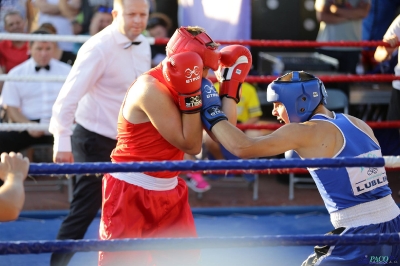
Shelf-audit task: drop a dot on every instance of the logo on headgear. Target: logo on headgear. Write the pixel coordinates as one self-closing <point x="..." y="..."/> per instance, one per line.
<point x="192" y="75"/>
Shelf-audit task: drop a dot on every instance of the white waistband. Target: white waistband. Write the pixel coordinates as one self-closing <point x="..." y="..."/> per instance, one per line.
<point x="374" y="212"/>
<point x="147" y="182"/>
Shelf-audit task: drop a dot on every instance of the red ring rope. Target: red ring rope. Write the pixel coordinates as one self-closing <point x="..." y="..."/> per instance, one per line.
<point x="290" y="43"/>
<point x="274" y="126"/>
<point x="329" y="78"/>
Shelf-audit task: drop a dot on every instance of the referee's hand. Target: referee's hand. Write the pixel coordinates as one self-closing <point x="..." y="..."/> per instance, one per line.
<point x="63" y="157"/>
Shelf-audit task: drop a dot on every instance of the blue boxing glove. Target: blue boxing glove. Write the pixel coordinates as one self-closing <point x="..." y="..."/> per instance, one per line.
<point x="211" y="112"/>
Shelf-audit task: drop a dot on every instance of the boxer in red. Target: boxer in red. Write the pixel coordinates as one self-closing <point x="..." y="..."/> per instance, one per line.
<point x="159" y="120"/>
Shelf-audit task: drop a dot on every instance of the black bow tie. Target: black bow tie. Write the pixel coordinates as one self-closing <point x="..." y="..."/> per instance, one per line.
<point x="130" y="44"/>
<point x="37" y="68"/>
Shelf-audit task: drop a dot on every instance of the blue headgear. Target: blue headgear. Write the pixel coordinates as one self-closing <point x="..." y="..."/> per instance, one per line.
<point x="300" y="97"/>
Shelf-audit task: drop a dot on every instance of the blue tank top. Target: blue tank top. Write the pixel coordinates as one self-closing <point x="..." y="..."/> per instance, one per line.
<point x="345" y="187"/>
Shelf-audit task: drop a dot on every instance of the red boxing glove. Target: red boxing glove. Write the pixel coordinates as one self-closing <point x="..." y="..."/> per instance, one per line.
<point x="183" y="72"/>
<point x="235" y="64"/>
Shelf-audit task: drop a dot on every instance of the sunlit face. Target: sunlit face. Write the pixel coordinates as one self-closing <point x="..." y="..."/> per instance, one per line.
<point x="158" y="32"/>
<point x="14" y="24"/>
<point x="280" y="112"/>
<point x="41" y="52"/>
<point x="132" y="17"/>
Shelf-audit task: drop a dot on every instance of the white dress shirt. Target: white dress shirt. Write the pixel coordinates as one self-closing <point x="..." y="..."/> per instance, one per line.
<point x="35" y="99"/>
<point x="97" y="84"/>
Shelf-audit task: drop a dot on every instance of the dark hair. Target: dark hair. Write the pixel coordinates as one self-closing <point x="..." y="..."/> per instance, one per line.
<point x="39" y="31"/>
<point x="304" y="76"/>
<point x="48" y="27"/>
<point x="159" y="19"/>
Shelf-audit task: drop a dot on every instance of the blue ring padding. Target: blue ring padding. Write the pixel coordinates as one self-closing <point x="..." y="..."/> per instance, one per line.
<point x="211" y="211"/>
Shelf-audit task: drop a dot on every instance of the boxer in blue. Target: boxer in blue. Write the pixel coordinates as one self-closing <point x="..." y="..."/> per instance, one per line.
<point x="358" y="198"/>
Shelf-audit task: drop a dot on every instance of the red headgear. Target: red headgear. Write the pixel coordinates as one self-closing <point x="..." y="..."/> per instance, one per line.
<point x="182" y="41"/>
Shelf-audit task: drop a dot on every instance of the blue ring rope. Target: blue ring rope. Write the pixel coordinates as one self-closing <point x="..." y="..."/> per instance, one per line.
<point x="256" y="164"/>
<point x="28" y="247"/>
<point x="61" y="246"/>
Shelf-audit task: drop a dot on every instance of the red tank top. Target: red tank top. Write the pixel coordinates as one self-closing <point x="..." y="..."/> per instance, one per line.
<point x="142" y="142"/>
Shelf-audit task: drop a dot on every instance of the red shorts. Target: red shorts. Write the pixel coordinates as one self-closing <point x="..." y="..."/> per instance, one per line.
<point x="130" y="211"/>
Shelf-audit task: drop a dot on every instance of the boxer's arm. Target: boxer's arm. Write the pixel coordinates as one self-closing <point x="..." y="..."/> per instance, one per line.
<point x="182" y="130"/>
<point x="289" y="137"/>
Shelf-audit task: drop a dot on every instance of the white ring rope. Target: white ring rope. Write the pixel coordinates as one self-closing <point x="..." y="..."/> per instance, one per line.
<point x="50" y="78"/>
<point x="51" y="37"/>
<point x="392" y="161"/>
<point x="23" y="126"/>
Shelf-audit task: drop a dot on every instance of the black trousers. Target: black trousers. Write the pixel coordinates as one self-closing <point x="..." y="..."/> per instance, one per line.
<point x="17" y="141"/>
<point x="87" y="146"/>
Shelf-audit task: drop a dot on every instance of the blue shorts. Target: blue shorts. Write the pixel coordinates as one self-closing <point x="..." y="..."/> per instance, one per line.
<point x="354" y="255"/>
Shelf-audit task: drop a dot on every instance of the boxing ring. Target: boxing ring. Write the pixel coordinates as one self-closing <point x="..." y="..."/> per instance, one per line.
<point x="227" y="236"/>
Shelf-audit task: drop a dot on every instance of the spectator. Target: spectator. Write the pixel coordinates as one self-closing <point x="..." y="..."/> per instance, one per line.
<point x="101" y="19"/>
<point x="13" y="171"/>
<point x="158" y="26"/>
<point x="341" y="21"/>
<point x="63" y="56"/>
<point x="30" y="101"/>
<point x="13" y="53"/>
<point x="374" y="26"/>
<point x="23" y="7"/>
<point x="86" y="8"/>
<point x="49" y="12"/>
<point x="92" y="95"/>
<point x="383" y="53"/>
<point x="76" y="27"/>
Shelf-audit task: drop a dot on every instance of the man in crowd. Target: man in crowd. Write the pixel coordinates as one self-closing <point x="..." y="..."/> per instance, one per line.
<point x="31" y="101"/>
<point x="12" y="53"/>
